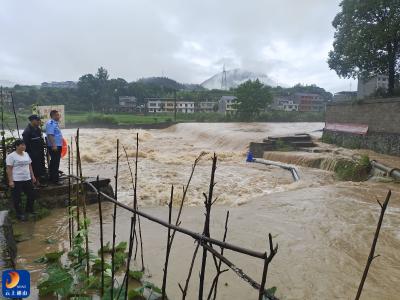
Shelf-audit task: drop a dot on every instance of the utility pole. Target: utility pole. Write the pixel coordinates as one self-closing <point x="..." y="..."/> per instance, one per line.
<point x="174" y="105"/>
<point x="224" y="83"/>
<point x="3" y="140"/>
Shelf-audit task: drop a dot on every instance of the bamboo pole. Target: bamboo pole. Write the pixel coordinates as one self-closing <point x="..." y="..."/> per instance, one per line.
<point x="71" y="151"/>
<point x="185" y="289"/>
<point x="194" y="235"/>
<point x="85" y="220"/>
<point x="219" y="272"/>
<point x="15" y="114"/>
<point x="69" y="199"/>
<point x="164" y="284"/>
<point x="77" y="183"/>
<point x="126" y="277"/>
<point x="114" y="223"/>
<point x="206" y="231"/>
<point x="185" y="190"/>
<point x="3" y="140"/>
<point x="254" y="284"/>
<point x="101" y="236"/>
<point x="372" y="255"/>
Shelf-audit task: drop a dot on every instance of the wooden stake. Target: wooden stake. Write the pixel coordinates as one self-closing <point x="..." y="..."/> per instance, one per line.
<point x="185" y="289"/>
<point x="85" y="220"/>
<point x="69" y="199"/>
<point x="206" y="232"/>
<point x="372" y="255"/>
<point x="101" y="235"/>
<point x="114" y="223"/>
<point x="164" y="284"/>
<point x="15" y="114"/>
<point x="219" y="272"/>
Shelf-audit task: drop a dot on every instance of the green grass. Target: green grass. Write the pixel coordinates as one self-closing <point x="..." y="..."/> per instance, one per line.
<point x="348" y="170"/>
<point x="152" y="118"/>
<point x="116" y="119"/>
<point x="72" y="118"/>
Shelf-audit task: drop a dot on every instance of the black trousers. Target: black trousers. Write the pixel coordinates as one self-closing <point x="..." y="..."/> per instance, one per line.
<point x="37" y="158"/>
<point x="54" y="164"/>
<point x="27" y="188"/>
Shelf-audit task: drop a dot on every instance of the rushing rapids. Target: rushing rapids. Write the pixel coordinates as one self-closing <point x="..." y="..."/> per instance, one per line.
<point x="324" y="227"/>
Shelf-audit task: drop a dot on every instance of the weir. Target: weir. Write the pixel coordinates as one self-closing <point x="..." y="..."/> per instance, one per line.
<point x="293" y="170"/>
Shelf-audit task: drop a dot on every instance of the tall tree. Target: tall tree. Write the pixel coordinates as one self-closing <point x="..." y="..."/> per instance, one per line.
<point x="367" y="39"/>
<point x="251" y="98"/>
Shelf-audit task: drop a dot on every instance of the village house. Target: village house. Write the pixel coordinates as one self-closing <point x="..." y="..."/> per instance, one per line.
<point x="167" y="105"/>
<point x="226" y="105"/>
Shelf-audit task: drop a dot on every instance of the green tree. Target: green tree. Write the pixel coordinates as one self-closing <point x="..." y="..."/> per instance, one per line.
<point x="252" y="98"/>
<point x="367" y="39"/>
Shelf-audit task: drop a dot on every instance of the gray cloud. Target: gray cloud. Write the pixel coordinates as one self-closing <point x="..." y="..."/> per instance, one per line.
<point x="187" y="40"/>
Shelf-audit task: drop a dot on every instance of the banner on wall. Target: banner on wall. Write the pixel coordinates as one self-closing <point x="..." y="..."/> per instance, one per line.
<point x="44" y="113"/>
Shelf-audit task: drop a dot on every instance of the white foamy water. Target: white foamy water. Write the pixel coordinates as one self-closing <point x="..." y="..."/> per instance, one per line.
<point x="324" y="227"/>
<point x="166" y="157"/>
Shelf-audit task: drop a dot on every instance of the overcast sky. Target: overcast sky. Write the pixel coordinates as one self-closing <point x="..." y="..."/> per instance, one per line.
<point x="187" y="40"/>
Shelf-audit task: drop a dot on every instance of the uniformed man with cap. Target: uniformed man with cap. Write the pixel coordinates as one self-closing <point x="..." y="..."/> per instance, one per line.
<point x="34" y="143"/>
<point x="54" y="146"/>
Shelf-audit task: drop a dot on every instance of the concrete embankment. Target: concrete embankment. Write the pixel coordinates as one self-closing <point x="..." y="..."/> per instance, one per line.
<point x="8" y="247"/>
<point x="368" y="124"/>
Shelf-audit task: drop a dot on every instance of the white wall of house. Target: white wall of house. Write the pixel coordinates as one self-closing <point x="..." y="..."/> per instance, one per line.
<point x="168" y="106"/>
<point x="368" y="87"/>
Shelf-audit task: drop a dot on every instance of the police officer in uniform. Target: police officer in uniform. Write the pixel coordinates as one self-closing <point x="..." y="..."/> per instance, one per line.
<point x="34" y="143"/>
<point x="54" y="146"/>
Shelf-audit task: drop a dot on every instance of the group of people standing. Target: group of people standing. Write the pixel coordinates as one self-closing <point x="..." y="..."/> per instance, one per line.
<point x="26" y="165"/>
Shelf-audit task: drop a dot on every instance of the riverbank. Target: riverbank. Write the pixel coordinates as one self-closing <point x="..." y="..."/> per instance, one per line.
<point x="159" y="121"/>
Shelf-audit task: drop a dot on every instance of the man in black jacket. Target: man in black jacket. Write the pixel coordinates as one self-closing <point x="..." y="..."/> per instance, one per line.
<point x="33" y="139"/>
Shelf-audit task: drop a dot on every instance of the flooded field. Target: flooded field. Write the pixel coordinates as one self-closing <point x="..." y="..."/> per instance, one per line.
<point x="324" y="227"/>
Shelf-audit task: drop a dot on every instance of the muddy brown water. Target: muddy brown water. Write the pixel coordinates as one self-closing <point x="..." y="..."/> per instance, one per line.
<point x="324" y="228"/>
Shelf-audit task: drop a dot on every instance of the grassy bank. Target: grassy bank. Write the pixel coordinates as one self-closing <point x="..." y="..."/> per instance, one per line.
<point x="132" y="119"/>
<point x="127" y="119"/>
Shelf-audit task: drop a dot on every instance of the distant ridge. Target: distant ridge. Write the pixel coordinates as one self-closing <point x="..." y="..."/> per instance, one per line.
<point x="7" y="83"/>
<point x="236" y="77"/>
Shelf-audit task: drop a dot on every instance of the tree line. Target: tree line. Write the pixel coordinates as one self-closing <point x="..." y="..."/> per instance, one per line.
<point x="99" y="93"/>
<point x="367" y="41"/>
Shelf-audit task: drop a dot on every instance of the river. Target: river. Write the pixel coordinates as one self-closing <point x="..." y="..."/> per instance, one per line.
<point x="324" y="227"/>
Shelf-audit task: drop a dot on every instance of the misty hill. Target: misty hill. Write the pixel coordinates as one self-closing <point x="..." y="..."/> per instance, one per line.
<point x="7" y="83"/>
<point x="236" y="77"/>
<point x="169" y="84"/>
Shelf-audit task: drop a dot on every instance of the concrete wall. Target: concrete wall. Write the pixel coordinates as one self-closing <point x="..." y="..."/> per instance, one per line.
<point x="8" y="247"/>
<point x="387" y="143"/>
<point x="381" y="115"/>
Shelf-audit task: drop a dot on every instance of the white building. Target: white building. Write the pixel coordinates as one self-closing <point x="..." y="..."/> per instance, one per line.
<point x="127" y="103"/>
<point x="206" y="106"/>
<point x="345" y="96"/>
<point x="60" y="84"/>
<point x="226" y="105"/>
<point x="155" y="106"/>
<point x="289" y="105"/>
<point x="186" y="107"/>
<point x="285" y="104"/>
<point x="167" y="105"/>
<point x="368" y="87"/>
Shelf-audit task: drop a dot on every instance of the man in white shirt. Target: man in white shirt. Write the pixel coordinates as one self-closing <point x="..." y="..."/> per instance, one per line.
<point x="20" y="178"/>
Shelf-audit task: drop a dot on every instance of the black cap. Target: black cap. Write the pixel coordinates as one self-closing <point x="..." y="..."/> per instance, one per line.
<point x="34" y="117"/>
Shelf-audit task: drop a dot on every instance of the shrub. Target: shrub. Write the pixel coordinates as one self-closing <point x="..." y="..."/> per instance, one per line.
<point x="349" y="170"/>
<point x="101" y="119"/>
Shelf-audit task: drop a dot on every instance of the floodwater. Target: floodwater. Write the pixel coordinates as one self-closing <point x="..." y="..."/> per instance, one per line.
<point x="324" y="228"/>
